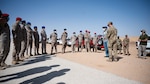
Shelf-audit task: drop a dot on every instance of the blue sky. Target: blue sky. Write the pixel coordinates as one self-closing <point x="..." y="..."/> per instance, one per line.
<point x="128" y="16"/>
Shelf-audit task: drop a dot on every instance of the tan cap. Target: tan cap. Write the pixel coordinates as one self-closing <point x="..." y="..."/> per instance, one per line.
<point x="143" y="30"/>
<point x="110" y="23"/>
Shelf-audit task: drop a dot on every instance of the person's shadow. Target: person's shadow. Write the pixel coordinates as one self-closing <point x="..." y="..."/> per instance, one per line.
<point x="27" y="73"/>
<point x="33" y="59"/>
<point x="47" y="77"/>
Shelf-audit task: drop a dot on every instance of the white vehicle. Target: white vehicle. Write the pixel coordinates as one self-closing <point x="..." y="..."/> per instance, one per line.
<point x="59" y="42"/>
<point x="69" y="42"/>
<point x="147" y="47"/>
<point x="47" y="41"/>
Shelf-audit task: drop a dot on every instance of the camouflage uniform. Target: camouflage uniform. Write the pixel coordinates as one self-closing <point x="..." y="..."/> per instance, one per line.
<point x="73" y="42"/>
<point x="64" y="41"/>
<point x="16" y="32"/>
<point x="126" y="41"/>
<point x="36" y="41"/>
<point x="112" y="43"/>
<point x="87" y="41"/>
<point x="4" y="42"/>
<point x="43" y="40"/>
<point x="119" y="45"/>
<point x="80" y="41"/>
<point x="53" y="38"/>
<point x="90" y="41"/>
<point x="29" y="39"/>
<point x="95" y="40"/>
<point x="23" y="40"/>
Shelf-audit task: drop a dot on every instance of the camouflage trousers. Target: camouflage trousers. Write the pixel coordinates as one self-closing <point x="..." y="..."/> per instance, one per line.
<point x="53" y="45"/>
<point x="4" y="50"/>
<point x="29" y="45"/>
<point x="119" y="48"/>
<point x="64" y="47"/>
<point x="73" y="47"/>
<point x="80" y="45"/>
<point x="87" y="46"/>
<point x="112" y="49"/>
<point x="126" y="50"/>
<point x="23" y="48"/>
<point x="16" y="50"/>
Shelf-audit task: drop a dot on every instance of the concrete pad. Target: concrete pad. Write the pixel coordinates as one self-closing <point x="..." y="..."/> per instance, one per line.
<point x="54" y="70"/>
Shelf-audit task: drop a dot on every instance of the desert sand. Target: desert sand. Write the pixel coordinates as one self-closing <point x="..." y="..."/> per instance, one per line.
<point x="129" y="67"/>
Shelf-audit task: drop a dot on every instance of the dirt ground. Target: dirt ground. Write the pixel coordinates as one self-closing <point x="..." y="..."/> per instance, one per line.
<point x="129" y="67"/>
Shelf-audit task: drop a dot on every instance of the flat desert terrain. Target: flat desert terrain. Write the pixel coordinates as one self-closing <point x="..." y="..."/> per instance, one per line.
<point x="129" y="67"/>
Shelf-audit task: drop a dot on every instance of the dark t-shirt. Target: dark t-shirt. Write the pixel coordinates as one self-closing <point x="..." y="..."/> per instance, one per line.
<point x="143" y="37"/>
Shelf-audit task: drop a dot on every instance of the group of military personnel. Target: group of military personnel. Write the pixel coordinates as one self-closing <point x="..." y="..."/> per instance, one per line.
<point x="80" y="41"/>
<point x="24" y="37"/>
<point x="124" y="45"/>
<point x="83" y="40"/>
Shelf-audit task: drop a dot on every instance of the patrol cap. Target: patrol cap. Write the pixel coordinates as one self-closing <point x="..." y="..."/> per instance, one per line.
<point x="110" y="23"/>
<point x="23" y="21"/>
<point x="5" y="15"/>
<point x="143" y="30"/>
<point x="74" y="32"/>
<point x="35" y="27"/>
<point x="18" y="19"/>
<point x="54" y="29"/>
<point x="65" y="29"/>
<point x="28" y="23"/>
<point x="104" y="27"/>
<point x="43" y="27"/>
<point x="80" y="30"/>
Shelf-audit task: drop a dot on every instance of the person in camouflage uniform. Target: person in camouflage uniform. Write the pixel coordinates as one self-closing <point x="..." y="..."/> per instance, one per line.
<point x="73" y="41"/>
<point x="53" y="38"/>
<point x="119" y="45"/>
<point x="29" y="38"/>
<point x="95" y="40"/>
<point x="43" y="40"/>
<point x="16" y="32"/>
<point x="80" y="41"/>
<point x="4" y="39"/>
<point x="90" y="41"/>
<point x="36" y="40"/>
<point x="23" y="40"/>
<point x="87" y="41"/>
<point x="64" y="40"/>
<point x="112" y="42"/>
<point x="126" y="41"/>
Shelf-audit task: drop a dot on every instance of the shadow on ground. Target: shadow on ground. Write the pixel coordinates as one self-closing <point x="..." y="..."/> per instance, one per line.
<point x="26" y="73"/>
<point x="61" y="83"/>
<point x="44" y="78"/>
<point x="119" y="58"/>
<point x="148" y="54"/>
<point x="33" y="59"/>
